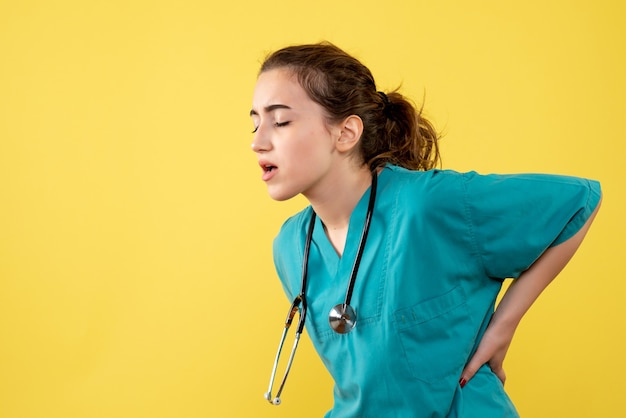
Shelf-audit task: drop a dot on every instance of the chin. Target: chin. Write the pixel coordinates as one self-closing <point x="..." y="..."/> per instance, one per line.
<point x="280" y="195"/>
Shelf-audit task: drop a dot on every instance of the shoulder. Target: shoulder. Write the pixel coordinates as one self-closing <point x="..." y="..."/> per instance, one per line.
<point x="406" y="177"/>
<point x="448" y="182"/>
<point x="433" y="185"/>
<point x="287" y="250"/>
<point x="293" y="229"/>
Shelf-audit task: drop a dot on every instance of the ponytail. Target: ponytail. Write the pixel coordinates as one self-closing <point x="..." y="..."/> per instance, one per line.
<point x="405" y="138"/>
<point x="394" y="131"/>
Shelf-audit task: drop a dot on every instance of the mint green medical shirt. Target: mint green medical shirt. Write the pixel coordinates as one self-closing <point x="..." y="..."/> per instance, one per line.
<point x="439" y="247"/>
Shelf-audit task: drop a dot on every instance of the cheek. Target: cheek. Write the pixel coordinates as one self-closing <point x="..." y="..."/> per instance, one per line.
<point x="309" y="147"/>
<point x="300" y="145"/>
<point x="318" y="142"/>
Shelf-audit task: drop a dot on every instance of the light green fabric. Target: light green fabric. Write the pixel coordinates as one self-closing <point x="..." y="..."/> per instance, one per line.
<point x="439" y="246"/>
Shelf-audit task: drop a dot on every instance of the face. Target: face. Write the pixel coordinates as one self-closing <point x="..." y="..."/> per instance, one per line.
<point x="294" y="144"/>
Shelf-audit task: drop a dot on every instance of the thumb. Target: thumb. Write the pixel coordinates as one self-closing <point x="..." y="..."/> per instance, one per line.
<point x="498" y="370"/>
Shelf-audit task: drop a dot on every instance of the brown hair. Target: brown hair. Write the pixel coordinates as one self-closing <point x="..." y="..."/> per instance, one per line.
<point x="394" y="130"/>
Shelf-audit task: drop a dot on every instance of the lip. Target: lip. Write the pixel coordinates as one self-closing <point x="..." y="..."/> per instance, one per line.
<point x="269" y="169"/>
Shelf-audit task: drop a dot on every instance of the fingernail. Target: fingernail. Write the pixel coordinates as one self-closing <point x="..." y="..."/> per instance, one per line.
<point x="462" y="382"/>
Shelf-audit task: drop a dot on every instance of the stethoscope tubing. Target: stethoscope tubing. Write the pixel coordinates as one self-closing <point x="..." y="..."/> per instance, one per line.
<point x="299" y="304"/>
<point x="366" y="229"/>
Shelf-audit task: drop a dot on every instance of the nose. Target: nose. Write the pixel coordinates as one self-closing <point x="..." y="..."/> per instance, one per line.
<point x="255" y="146"/>
<point x="261" y="141"/>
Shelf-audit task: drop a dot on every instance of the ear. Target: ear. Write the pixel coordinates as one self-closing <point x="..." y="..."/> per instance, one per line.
<point x="350" y="133"/>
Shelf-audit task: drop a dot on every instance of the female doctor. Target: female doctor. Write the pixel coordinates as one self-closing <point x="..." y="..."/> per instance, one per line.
<point x="395" y="266"/>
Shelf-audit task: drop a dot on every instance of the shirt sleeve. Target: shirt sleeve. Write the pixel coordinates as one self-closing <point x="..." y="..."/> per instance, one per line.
<point x="515" y="218"/>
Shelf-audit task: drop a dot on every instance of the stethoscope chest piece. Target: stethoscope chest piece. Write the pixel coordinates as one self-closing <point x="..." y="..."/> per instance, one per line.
<point x="342" y="318"/>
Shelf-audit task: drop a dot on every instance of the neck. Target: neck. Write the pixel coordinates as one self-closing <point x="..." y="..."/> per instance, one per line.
<point x="335" y="205"/>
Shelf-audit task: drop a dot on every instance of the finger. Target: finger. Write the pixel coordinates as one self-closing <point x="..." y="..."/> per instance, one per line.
<point x="471" y="368"/>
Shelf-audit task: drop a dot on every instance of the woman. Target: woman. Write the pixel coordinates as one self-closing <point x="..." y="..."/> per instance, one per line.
<point x="403" y="262"/>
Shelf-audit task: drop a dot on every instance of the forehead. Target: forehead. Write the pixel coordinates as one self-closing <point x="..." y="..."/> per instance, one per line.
<point x="279" y="86"/>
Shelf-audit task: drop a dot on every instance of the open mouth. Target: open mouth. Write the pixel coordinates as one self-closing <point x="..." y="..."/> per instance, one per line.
<point x="269" y="168"/>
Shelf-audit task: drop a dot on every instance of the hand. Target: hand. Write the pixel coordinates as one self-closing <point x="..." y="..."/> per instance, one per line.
<point x="491" y="350"/>
<point x="516" y="301"/>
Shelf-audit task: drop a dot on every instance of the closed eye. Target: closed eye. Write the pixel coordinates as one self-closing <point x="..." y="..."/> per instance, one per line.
<point x="277" y="124"/>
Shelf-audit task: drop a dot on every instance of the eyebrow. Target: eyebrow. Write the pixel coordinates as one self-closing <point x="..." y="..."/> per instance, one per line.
<point x="270" y="108"/>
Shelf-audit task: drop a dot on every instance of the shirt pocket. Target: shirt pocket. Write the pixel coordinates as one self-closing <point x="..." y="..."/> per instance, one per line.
<point x="436" y="336"/>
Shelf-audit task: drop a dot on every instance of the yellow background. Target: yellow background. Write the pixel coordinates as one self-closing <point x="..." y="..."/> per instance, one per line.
<point x="136" y="277"/>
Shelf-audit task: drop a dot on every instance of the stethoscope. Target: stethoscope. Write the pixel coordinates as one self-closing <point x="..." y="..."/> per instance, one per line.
<point x="342" y="317"/>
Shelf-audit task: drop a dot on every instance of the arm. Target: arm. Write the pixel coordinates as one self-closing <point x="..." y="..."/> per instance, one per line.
<point x="517" y="300"/>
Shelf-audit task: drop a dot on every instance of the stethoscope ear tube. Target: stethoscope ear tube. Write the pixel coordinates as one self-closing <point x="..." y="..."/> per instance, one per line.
<point x="298" y="304"/>
<point x="276" y="400"/>
<point x="268" y="394"/>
